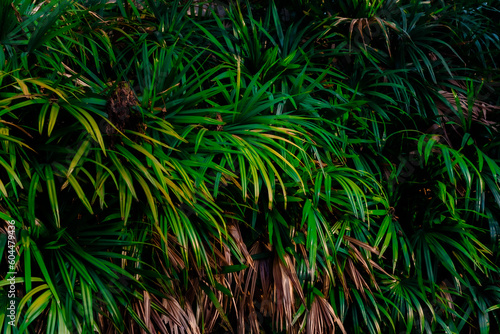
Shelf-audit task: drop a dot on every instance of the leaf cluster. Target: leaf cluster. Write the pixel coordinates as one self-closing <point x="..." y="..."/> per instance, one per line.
<point x="195" y="167"/>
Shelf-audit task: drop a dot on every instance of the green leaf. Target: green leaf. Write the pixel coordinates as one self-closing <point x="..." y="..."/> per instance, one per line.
<point x="41" y="264"/>
<point x="213" y="298"/>
<point x="36" y="309"/>
<point x="51" y="189"/>
<point x="54" y="111"/>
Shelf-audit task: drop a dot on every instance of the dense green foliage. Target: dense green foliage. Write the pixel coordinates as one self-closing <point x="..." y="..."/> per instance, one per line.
<point x="298" y="166"/>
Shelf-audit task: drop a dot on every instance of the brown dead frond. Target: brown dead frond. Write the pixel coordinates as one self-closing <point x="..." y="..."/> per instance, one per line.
<point x="356" y="277"/>
<point x="169" y="259"/>
<point x="446" y="295"/>
<point x="166" y="316"/>
<point x="322" y="318"/>
<point x="276" y="294"/>
<point x="285" y="282"/>
<point x="17" y="127"/>
<point x="177" y="319"/>
<point x="479" y="111"/>
<point x="248" y="294"/>
<point x="363" y="27"/>
<point x="235" y="232"/>
<point x="226" y="280"/>
<point x="362" y="244"/>
<point x="210" y="313"/>
<point x="366" y="262"/>
<point x="357" y="258"/>
<point x="172" y="255"/>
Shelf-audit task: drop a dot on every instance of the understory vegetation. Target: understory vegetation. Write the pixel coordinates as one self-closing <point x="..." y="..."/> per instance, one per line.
<point x="297" y="166"/>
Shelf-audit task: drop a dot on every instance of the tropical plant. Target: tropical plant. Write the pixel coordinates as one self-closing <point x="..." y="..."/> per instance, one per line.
<point x="193" y="167"/>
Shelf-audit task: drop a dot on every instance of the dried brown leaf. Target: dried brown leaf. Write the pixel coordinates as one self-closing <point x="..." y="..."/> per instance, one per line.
<point x="322" y="318"/>
<point x="362" y="244"/>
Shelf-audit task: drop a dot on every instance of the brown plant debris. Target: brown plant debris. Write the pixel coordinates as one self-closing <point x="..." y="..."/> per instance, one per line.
<point x="119" y="109"/>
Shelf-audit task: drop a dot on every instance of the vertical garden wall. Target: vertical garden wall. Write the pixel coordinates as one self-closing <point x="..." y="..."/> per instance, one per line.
<point x="280" y="167"/>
